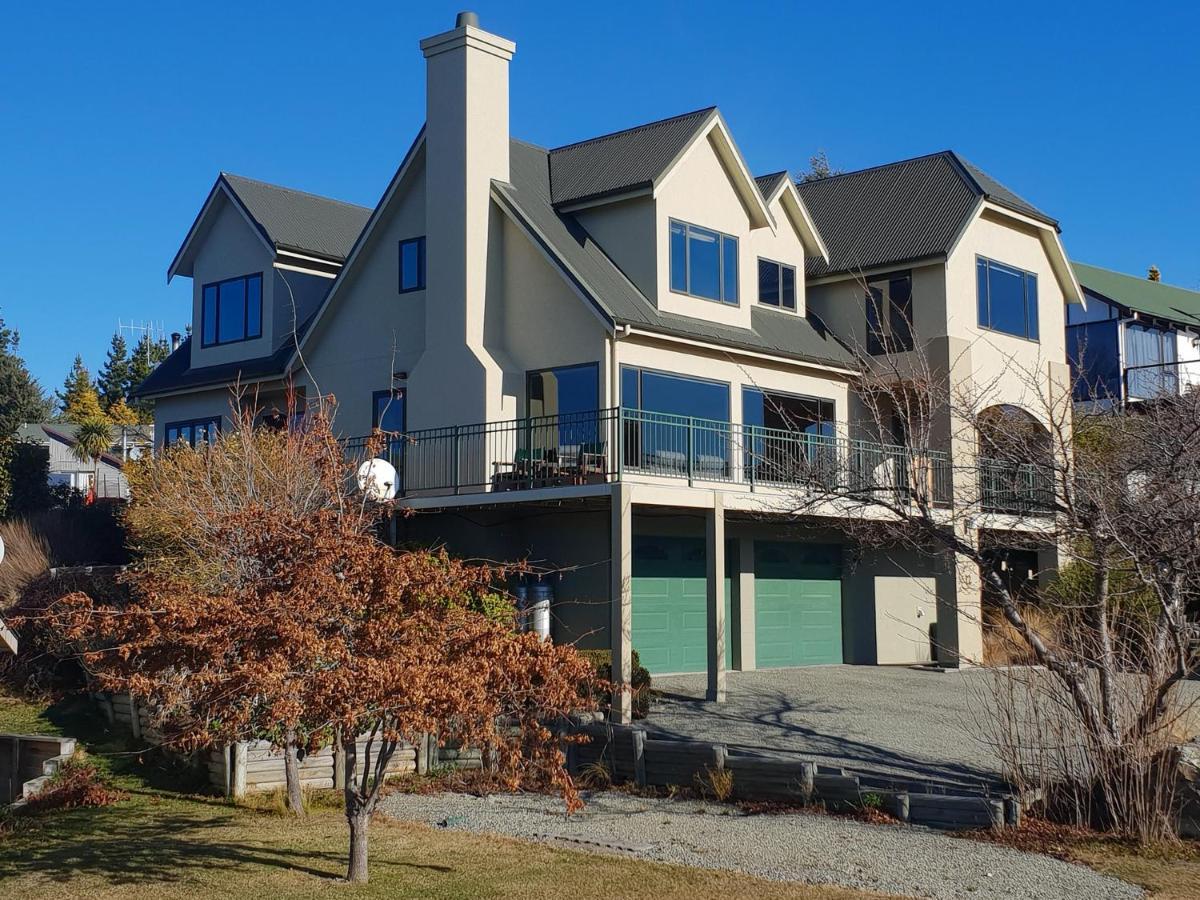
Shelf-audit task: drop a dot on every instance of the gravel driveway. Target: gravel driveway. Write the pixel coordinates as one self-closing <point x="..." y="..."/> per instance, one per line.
<point x="869" y="718"/>
<point x="796" y="847"/>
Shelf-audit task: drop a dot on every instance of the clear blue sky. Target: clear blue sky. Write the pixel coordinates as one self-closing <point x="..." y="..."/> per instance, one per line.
<point x="116" y="118"/>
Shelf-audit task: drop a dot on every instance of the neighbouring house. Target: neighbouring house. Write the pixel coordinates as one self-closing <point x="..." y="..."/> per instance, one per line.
<point x="595" y="351"/>
<point x="1136" y="339"/>
<point x="104" y="478"/>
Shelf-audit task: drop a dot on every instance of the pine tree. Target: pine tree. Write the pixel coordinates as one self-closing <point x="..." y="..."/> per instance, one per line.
<point x="113" y="382"/>
<point x="819" y="167"/>
<point x="21" y="397"/>
<point x="78" y="400"/>
<point x="121" y="413"/>
<point x="147" y="354"/>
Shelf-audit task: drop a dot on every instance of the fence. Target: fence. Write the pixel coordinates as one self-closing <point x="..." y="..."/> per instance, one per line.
<point x="631" y="754"/>
<point x="249" y="767"/>
<point x="609" y="444"/>
<point x="1018" y="488"/>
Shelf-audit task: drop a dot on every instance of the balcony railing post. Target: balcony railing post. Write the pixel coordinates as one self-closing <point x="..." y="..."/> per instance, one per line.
<point x="454" y="458"/>
<point x="691" y="448"/>
<point x="619" y="420"/>
<point x="748" y="432"/>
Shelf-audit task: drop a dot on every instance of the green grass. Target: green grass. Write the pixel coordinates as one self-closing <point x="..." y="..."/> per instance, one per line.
<point x="162" y="842"/>
<point x="19" y="716"/>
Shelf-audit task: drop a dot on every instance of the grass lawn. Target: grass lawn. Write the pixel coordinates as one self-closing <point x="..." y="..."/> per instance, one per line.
<point x="1172" y="873"/>
<point x="164" y="843"/>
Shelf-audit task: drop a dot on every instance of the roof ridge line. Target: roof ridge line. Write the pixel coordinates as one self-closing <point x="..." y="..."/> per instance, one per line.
<point x="898" y="162"/>
<point x="1138" y="278"/>
<point x="620" y="131"/>
<point x="282" y="187"/>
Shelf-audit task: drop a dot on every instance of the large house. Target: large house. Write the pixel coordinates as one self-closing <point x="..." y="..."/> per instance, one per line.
<point x="102" y="478"/>
<point x="1136" y="339"/>
<point x="592" y="352"/>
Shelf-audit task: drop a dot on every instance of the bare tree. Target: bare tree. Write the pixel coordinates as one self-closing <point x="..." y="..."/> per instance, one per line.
<point x="957" y="466"/>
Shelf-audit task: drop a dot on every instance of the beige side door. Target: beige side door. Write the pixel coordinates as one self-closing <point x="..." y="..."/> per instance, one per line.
<point x="905" y="619"/>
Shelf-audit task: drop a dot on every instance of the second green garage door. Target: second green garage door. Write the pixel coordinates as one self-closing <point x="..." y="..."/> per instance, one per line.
<point x="797" y="604"/>
<point x="670" y="605"/>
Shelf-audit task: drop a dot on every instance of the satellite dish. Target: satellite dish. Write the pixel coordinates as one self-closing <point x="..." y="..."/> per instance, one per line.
<point x="377" y="479"/>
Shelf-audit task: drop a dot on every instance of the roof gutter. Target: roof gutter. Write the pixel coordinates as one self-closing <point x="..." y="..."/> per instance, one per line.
<point x="627" y="330"/>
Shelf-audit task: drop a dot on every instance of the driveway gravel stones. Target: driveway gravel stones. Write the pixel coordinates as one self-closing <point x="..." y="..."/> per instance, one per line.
<point x="905" y="860"/>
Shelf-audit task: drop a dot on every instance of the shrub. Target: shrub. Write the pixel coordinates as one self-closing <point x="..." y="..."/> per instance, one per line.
<point x="715" y="784"/>
<point x="77" y="783"/>
<point x="601" y="661"/>
<point x="1003" y="644"/>
<point x="26" y="556"/>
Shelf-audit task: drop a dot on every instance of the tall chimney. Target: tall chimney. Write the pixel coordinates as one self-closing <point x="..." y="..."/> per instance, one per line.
<point x="466" y="148"/>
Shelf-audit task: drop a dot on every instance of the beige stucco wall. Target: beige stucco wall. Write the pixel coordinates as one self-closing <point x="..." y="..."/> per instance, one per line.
<point x="1003" y="365"/>
<point x="538" y="321"/>
<point x="737" y="373"/>
<point x="699" y="191"/>
<point x="229" y="249"/>
<point x="371" y="329"/>
<point x="783" y="246"/>
<point x="841" y="304"/>
<point x="625" y="231"/>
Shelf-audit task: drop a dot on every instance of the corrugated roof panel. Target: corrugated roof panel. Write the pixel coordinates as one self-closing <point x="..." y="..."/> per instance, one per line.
<point x="623" y="161"/>
<point x="1153" y="298"/>
<point x="295" y="220"/>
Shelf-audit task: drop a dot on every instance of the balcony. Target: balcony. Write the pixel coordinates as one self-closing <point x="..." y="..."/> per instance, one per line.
<point x="622" y="444"/>
<point x="1016" y="488"/>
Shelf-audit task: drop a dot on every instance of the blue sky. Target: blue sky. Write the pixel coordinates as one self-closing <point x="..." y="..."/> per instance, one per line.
<point x="117" y="117"/>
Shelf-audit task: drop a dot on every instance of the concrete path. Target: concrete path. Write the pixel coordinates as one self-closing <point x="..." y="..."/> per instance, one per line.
<point x="908" y="861"/>
<point x="885" y="720"/>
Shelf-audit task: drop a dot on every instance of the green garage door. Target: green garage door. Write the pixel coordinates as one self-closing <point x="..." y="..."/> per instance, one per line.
<point x="797" y="604"/>
<point x="670" y="605"/>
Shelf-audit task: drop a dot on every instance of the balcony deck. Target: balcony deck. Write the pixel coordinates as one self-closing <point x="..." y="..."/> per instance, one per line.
<point x="570" y="452"/>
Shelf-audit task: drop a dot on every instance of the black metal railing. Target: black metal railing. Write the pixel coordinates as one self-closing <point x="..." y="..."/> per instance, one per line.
<point x="1154" y="381"/>
<point x="609" y="444"/>
<point x="1016" y="488"/>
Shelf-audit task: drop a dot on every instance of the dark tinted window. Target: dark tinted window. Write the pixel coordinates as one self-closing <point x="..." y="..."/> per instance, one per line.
<point x="231" y="310"/>
<point x="570" y="389"/>
<point x="412" y="264"/>
<point x="194" y="433"/>
<point x="889" y="313"/>
<point x="1007" y="299"/>
<point x="388" y="414"/>
<point x="776" y="284"/>
<point x="704" y="263"/>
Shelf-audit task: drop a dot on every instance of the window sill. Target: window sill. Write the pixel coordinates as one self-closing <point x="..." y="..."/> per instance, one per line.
<point x="732" y="304"/>
<point x="1009" y="334"/>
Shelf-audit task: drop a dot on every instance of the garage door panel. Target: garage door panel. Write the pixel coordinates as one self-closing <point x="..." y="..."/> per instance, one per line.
<point x="798" y="614"/>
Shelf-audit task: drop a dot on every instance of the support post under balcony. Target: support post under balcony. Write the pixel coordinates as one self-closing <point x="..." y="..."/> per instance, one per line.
<point x="621" y="622"/>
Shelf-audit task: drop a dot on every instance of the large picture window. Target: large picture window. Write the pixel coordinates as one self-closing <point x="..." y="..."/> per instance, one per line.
<point x="704" y="263"/>
<point x="194" y="433"/>
<point x="676" y="424"/>
<point x="1007" y="299"/>
<point x="231" y="310"/>
<point x="889" y="313"/>
<point x="567" y="390"/>
<point x="776" y="284"/>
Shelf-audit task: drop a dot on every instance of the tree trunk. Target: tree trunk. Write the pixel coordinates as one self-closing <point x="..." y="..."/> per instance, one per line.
<point x="356" y="873"/>
<point x="291" y="771"/>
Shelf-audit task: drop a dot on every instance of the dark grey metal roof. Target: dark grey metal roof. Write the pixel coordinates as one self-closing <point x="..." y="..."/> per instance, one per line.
<point x="900" y="212"/>
<point x="175" y="373"/>
<point x="599" y="279"/>
<point x="998" y="193"/>
<point x="768" y="183"/>
<point x="295" y="220"/>
<point x="623" y="161"/>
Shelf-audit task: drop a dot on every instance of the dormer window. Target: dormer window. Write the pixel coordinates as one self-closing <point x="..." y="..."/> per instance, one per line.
<point x="231" y="310"/>
<point x="776" y="284"/>
<point x="704" y="263"/>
